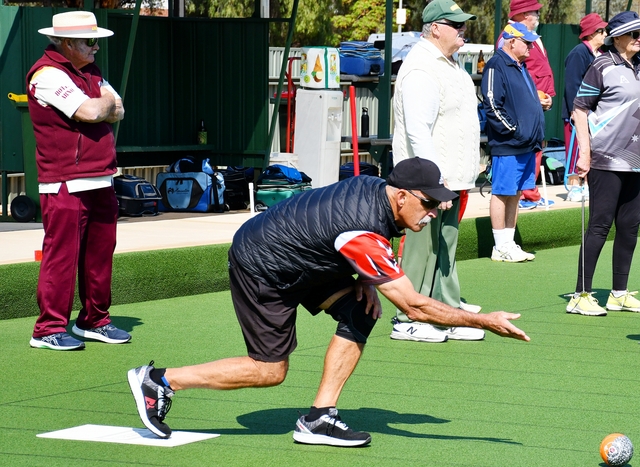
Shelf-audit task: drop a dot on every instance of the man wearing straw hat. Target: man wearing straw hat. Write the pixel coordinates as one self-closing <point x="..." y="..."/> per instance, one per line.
<point x="72" y="108"/>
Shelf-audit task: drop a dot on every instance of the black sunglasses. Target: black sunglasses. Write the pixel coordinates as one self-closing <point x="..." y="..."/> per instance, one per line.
<point x="91" y="42"/>
<point x="529" y="44"/>
<point x="451" y="24"/>
<point x="429" y="204"/>
<point x="633" y="34"/>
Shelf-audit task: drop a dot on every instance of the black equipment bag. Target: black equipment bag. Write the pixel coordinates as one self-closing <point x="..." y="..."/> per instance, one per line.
<point x="236" y="187"/>
<point x="136" y="196"/>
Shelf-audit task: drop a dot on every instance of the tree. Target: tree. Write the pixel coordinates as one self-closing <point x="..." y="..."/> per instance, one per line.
<point x="357" y="19"/>
<point x="313" y="23"/>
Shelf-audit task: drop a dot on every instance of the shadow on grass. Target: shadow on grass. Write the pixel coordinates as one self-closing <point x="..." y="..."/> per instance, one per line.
<point x="126" y="323"/>
<point x="280" y="421"/>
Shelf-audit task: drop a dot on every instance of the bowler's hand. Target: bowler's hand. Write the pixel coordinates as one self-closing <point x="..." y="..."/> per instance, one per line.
<point x="500" y="324"/>
<point x="373" y="301"/>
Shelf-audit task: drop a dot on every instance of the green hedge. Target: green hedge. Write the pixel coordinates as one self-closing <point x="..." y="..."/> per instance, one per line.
<point x="137" y="277"/>
<point x="537" y="230"/>
<point x="153" y="275"/>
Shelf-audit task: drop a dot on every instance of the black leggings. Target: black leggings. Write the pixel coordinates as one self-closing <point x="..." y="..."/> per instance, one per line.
<point x="613" y="196"/>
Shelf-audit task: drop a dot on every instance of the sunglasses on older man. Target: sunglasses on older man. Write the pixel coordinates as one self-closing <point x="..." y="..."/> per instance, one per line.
<point x="91" y="42"/>
<point x="633" y="34"/>
<point x="451" y="24"/>
<point x="429" y="204"/>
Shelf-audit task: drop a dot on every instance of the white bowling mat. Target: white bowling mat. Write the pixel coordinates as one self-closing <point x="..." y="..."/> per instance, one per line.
<point x="126" y="435"/>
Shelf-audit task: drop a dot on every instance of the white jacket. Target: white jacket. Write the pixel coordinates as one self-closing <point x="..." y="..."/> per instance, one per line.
<point x="435" y="115"/>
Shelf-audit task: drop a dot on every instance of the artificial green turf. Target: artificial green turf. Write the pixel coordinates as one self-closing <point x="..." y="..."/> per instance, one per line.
<point x="153" y="275"/>
<point x="499" y="402"/>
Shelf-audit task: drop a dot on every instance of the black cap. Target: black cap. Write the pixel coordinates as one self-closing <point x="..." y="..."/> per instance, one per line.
<point x="423" y="175"/>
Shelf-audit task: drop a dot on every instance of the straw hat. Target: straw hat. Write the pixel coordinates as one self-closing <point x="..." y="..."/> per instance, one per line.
<point x="76" y="25"/>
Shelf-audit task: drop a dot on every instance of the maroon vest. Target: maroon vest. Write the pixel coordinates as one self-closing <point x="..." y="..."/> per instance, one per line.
<point x="67" y="149"/>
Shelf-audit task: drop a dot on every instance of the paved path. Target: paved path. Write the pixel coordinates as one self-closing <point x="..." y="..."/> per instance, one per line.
<point x="19" y="242"/>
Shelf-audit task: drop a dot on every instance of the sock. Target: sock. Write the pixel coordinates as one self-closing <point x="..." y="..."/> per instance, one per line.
<point x="315" y="413"/>
<point x="510" y="235"/>
<point x="501" y="237"/>
<point x="157" y="376"/>
<point x="618" y="293"/>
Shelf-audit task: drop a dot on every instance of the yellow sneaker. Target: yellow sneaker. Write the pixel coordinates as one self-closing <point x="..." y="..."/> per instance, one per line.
<point x="585" y="304"/>
<point x="626" y="302"/>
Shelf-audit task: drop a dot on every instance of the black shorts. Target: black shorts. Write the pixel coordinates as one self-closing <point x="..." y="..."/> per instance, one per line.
<point x="267" y="315"/>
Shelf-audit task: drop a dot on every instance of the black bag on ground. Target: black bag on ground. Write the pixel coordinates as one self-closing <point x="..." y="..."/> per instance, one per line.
<point x="236" y="187"/>
<point x="346" y="170"/>
<point x="136" y="196"/>
<point x="553" y="171"/>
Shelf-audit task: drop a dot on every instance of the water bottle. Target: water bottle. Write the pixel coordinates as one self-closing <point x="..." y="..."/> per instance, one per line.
<point x="364" y="123"/>
<point x="202" y="134"/>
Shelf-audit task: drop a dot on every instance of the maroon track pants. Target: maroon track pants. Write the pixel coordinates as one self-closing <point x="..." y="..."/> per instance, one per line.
<point x="79" y="236"/>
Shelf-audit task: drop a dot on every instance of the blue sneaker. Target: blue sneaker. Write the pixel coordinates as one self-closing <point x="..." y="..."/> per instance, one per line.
<point x="526" y="205"/>
<point x="107" y="333"/>
<point x="57" y="341"/>
<point x="541" y="203"/>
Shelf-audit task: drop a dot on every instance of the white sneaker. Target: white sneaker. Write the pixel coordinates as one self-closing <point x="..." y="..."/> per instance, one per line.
<point x="414" y="331"/>
<point x="469" y="307"/>
<point x="575" y="194"/>
<point x="464" y="334"/>
<point x="511" y="253"/>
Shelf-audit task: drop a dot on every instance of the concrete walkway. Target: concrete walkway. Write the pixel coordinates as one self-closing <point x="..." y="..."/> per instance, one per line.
<point x="19" y="242"/>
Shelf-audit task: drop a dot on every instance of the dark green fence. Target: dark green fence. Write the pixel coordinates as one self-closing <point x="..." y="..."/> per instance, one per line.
<point x="182" y="71"/>
<point x="558" y="39"/>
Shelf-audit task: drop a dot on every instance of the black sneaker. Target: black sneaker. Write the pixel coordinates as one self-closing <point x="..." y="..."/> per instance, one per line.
<point x="107" y="333"/>
<point x="152" y="400"/>
<point x="330" y="430"/>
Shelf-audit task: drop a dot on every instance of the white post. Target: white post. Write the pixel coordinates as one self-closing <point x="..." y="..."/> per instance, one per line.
<point x="544" y="187"/>
<point x="252" y="203"/>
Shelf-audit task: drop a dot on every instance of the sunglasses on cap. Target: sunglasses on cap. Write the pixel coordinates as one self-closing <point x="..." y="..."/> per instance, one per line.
<point x="633" y="34"/>
<point x="429" y="204"/>
<point x="451" y="24"/>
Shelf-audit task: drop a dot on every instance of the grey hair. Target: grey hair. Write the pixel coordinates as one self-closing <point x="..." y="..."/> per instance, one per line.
<point x="57" y="41"/>
<point x="426" y="29"/>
